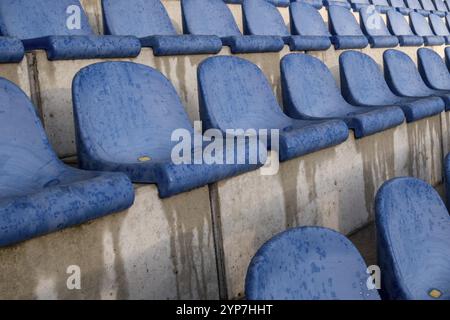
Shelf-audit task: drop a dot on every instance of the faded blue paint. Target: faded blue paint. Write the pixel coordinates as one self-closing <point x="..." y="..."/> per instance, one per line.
<point x="398" y="26"/>
<point x="234" y="93"/>
<point x="345" y="30"/>
<point x="213" y="17"/>
<point x="362" y="83"/>
<point x="38" y="193"/>
<point x="377" y="33"/>
<point x="149" y="21"/>
<point x="42" y="24"/>
<point x="11" y="50"/>
<point x="308" y="263"/>
<point x="421" y="27"/>
<point x="310" y="92"/>
<point x="413" y="231"/>
<point x="125" y="111"/>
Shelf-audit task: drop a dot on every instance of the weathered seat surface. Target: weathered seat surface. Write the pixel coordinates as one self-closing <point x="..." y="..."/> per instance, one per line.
<point x="413" y="233"/>
<point x="310" y="92"/>
<point x="38" y="193"/>
<point x="308" y="263"/>
<point x="345" y="30"/>
<point x="372" y="24"/>
<point x="398" y="26"/>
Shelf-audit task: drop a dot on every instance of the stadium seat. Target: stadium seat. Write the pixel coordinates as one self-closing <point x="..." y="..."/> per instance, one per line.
<point x="413" y="236"/>
<point x="38" y="193"/>
<point x="317" y="4"/>
<point x="311" y="93"/>
<point x="48" y="25"/>
<point x="346" y="33"/>
<point x="11" y="50"/>
<point x="439" y="27"/>
<point x="278" y="3"/>
<point x="433" y="70"/>
<point x="417" y="7"/>
<point x="263" y="19"/>
<point x="125" y="115"/>
<point x="213" y="17"/>
<point x="373" y="26"/>
<point x="235" y="94"/>
<point x="149" y="21"/>
<point x="363" y="84"/>
<point x="421" y="27"/>
<point x="447" y="57"/>
<point x="342" y="3"/>
<point x="307" y="23"/>
<point x="308" y="263"/>
<point x="382" y="6"/>
<point x="399" y="6"/>
<point x="429" y="6"/>
<point x="440" y="6"/>
<point x="358" y="4"/>
<point x="399" y="27"/>
<point x="404" y="79"/>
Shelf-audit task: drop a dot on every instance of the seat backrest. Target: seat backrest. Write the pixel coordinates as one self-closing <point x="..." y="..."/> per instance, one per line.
<point x="413" y="227"/>
<point x="413" y="4"/>
<point x="398" y="24"/>
<point x="212" y="17"/>
<point x="440" y="5"/>
<point x="401" y="73"/>
<point x="140" y="18"/>
<point x="397" y="3"/>
<point x="234" y="93"/>
<point x="372" y="22"/>
<point x="24" y="147"/>
<point x="363" y="78"/>
<point x="263" y="18"/>
<point x="427" y="5"/>
<point x="306" y="20"/>
<point x="380" y="3"/>
<point x="124" y="110"/>
<point x="433" y="68"/>
<point x="309" y="87"/>
<point x="420" y="25"/>
<point x="438" y="25"/>
<point x="31" y="19"/>
<point x="308" y="263"/>
<point x="366" y="2"/>
<point x="342" y="22"/>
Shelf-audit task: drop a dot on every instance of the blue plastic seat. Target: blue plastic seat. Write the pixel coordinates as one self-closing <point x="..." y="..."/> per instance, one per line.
<point x="317" y="4"/>
<point x="359" y="4"/>
<point x="440" y="6"/>
<point x="278" y="3"/>
<point x="213" y="17"/>
<point x="429" y="6"/>
<point x="447" y="57"/>
<point x="382" y="6"/>
<point x="235" y="94"/>
<point x="307" y="23"/>
<point x="421" y="27"/>
<point x="404" y="79"/>
<point x="413" y="235"/>
<point x="52" y="25"/>
<point x="308" y="263"/>
<point x="263" y="19"/>
<point x="372" y="24"/>
<point x="11" y="50"/>
<point x="125" y="115"/>
<point x="399" y="26"/>
<point x="346" y="33"/>
<point x="439" y="27"/>
<point x="341" y="3"/>
<point x="311" y="93"/>
<point x="399" y="6"/>
<point x="433" y="70"/>
<point x="149" y="21"/>
<point x="362" y="83"/>
<point x="38" y="193"/>
<point x="417" y="7"/>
